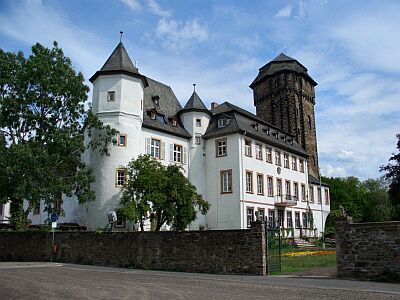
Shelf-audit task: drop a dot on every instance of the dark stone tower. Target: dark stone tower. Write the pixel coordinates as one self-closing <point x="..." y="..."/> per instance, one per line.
<point x="284" y="96"/>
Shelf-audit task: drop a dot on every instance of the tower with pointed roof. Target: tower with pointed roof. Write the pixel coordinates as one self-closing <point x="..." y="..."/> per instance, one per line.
<point x="284" y="96"/>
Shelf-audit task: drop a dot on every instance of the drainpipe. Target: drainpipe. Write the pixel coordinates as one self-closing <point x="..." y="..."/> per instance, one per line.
<point x="322" y="212"/>
<point x="244" y="213"/>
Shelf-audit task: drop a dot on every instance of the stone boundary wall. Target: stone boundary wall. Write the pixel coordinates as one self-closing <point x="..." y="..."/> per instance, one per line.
<point x="213" y="251"/>
<point x="368" y="251"/>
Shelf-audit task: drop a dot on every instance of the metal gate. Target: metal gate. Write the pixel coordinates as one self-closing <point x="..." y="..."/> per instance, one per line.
<point x="273" y="240"/>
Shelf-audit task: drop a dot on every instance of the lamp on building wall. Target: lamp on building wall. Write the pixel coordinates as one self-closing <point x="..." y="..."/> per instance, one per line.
<point x="112" y="218"/>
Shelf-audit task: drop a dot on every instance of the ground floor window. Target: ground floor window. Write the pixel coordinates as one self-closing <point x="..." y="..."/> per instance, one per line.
<point x="305" y="221"/>
<point x="289" y="220"/>
<point x="271" y="217"/>
<point x="250" y="216"/>
<point x="280" y="218"/>
<point x="297" y="219"/>
<point x="261" y="212"/>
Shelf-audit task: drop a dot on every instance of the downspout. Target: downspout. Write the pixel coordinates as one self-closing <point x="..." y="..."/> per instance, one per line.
<point x="243" y="218"/>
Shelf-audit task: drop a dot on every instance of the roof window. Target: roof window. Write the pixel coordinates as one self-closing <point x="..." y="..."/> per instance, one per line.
<point x="222" y="122"/>
<point x="156" y="100"/>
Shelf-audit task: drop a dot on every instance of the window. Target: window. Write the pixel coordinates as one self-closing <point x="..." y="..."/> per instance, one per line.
<point x="198" y="140"/>
<point x="270" y="184"/>
<point x="120" y="219"/>
<point x="311" y="191"/>
<point x="174" y="123"/>
<point x="250" y="216"/>
<point x="269" y="155"/>
<point x="220" y="148"/>
<point x="198" y="122"/>
<point x="319" y="195"/>
<point x="120" y="177"/>
<point x="280" y="218"/>
<point x="260" y="184"/>
<point x="287" y="188"/>
<point x="296" y="190"/>
<point x="289" y="220"/>
<point x="155" y="148"/>
<point x="261" y="213"/>
<point x="305" y="221"/>
<point x="279" y="187"/>
<point x="271" y="217"/>
<point x="122" y="140"/>
<point x="153" y="115"/>
<point x="297" y="219"/>
<point x="222" y="122"/>
<point x="309" y="122"/>
<point x="226" y="181"/>
<point x="301" y="161"/>
<point x="36" y="208"/>
<point x="294" y="163"/>
<point x="247" y="148"/>
<point x="249" y="182"/>
<point x="277" y="157"/>
<point x="160" y="118"/>
<point x="326" y="196"/>
<point x="177" y="153"/>
<point x="111" y="96"/>
<point x="303" y="193"/>
<point x="259" y="151"/>
<point x="286" y="160"/>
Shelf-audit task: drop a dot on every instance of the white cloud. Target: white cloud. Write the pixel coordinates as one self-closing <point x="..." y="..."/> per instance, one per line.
<point x="179" y="35"/>
<point x="284" y="12"/>
<point x="301" y="13"/>
<point x="330" y="171"/>
<point x="134" y="5"/>
<point x="155" y="8"/>
<point x="346" y="155"/>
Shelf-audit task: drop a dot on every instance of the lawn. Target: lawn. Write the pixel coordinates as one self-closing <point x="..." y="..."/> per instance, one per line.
<point x="291" y="262"/>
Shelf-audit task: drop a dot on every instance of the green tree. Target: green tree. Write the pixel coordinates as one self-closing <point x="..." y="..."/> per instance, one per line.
<point x="45" y="119"/>
<point x="392" y="170"/>
<point x="377" y="206"/>
<point x="160" y="194"/>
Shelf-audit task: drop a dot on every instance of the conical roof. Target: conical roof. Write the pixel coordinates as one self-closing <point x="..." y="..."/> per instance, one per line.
<point x="195" y="104"/>
<point x="281" y="63"/>
<point x="119" y="62"/>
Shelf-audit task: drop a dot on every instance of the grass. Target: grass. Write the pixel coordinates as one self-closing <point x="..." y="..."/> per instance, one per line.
<point x="292" y="264"/>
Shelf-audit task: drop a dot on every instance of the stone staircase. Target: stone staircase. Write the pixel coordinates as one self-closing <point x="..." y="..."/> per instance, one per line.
<point x="302" y="244"/>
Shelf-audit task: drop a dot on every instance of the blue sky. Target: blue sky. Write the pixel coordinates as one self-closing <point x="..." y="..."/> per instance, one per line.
<point x="351" y="48"/>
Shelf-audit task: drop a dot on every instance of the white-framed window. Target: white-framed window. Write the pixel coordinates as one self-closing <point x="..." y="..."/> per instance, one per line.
<point x="277" y="157"/>
<point x="296" y="190"/>
<point x="121" y="220"/>
<point x="271" y="217"/>
<point x="311" y="192"/>
<point x="287" y="188"/>
<point x="286" y="160"/>
<point x="303" y="192"/>
<point x="297" y="219"/>
<point x="121" y="140"/>
<point x="198" y="140"/>
<point x="250" y="216"/>
<point x="220" y="147"/>
<point x="259" y="151"/>
<point x="326" y="196"/>
<point x="260" y="184"/>
<point x="120" y="177"/>
<point x="261" y="212"/>
<point x="269" y="154"/>
<point x="301" y="162"/>
<point x="198" y="122"/>
<point x="289" y="220"/>
<point x="178" y="153"/>
<point x="294" y="163"/>
<point x="280" y="218"/>
<point x="226" y="181"/>
<point x="305" y="220"/>
<point x="270" y="186"/>
<point x="247" y="148"/>
<point x="319" y="195"/>
<point x="249" y="182"/>
<point x="155" y="148"/>
<point x="279" y="187"/>
<point x="222" y="122"/>
<point x="111" y="96"/>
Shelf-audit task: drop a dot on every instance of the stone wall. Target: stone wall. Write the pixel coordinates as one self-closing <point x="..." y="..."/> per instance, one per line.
<point x="214" y="251"/>
<point x="368" y="251"/>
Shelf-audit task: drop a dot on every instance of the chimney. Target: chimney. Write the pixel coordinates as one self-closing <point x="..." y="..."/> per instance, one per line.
<point x="214" y="105"/>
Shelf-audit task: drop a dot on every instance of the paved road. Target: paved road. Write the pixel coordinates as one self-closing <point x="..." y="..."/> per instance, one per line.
<point x="67" y="281"/>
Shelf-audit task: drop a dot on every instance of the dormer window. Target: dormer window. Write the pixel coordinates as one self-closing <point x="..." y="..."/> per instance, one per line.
<point x="153" y="115"/>
<point x="160" y="118"/>
<point x="222" y="122"/>
<point x="111" y="96"/>
<point x="174" y="123"/>
<point x="198" y="122"/>
<point x="266" y="130"/>
<point x="156" y="100"/>
<point x="255" y="125"/>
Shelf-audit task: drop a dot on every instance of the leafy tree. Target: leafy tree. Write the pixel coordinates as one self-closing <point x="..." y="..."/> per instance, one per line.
<point x="392" y="170"/>
<point x="377" y="206"/>
<point x="45" y="119"/>
<point x="160" y="194"/>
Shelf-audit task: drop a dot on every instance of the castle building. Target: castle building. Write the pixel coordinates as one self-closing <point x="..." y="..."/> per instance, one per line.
<point x="240" y="162"/>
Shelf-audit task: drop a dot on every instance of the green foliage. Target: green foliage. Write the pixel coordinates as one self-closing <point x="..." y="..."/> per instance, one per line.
<point x="162" y="194"/>
<point x="392" y="170"/>
<point x="44" y="117"/>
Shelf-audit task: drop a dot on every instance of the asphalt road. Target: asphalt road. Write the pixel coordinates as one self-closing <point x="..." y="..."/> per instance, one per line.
<point x="67" y="281"/>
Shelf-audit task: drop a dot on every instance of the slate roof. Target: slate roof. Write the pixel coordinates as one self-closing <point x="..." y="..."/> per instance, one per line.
<point x="315" y="181"/>
<point x="168" y="106"/>
<point x="119" y="62"/>
<point x="242" y="121"/>
<point x="195" y="104"/>
<point x="281" y="63"/>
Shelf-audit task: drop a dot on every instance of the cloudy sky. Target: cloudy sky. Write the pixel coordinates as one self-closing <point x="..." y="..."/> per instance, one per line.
<point x="351" y="48"/>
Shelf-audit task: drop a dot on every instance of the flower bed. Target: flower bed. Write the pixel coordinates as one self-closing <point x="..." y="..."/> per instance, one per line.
<point x="309" y="253"/>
